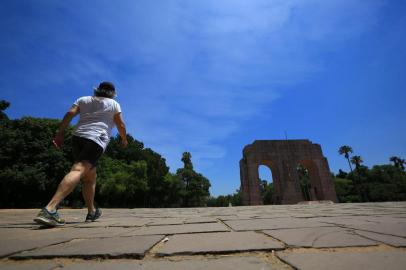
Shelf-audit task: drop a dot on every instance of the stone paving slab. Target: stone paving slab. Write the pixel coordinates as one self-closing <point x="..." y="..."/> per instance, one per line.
<point x="321" y="237"/>
<point x="15" y="240"/>
<point x="135" y="246"/>
<point x="322" y="230"/>
<point x="114" y="222"/>
<point x="396" y="229"/>
<point x="348" y="221"/>
<point x="353" y="260"/>
<point x="105" y="222"/>
<point x="104" y="232"/>
<point x="384" y="225"/>
<point x="384" y="238"/>
<point x="277" y="223"/>
<point x="179" y="229"/>
<point x="166" y="221"/>
<point x="32" y="265"/>
<point x="211" y="243"/>
<point x="200" y="220"/>
<point x="224" y="263"/>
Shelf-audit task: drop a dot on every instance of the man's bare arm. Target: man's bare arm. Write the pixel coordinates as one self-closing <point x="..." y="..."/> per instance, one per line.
<point x="119" y="121"/>
<point x="73" y="111"/>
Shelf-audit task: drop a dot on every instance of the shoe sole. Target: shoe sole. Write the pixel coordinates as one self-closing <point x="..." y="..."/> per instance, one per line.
<point x="47" y="222"/>
<point x="92" y="220"/>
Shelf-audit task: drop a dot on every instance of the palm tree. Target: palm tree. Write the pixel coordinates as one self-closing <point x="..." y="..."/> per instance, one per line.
<point x="361" y="188"/>
<point x="402" y="163"/>
<point x="356" y="160"/>
<point x="346" y="150"/>
<point x="398" y="162"/>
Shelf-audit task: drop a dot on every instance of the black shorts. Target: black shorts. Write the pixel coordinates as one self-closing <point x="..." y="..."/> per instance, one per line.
<point x="86" y="150"/>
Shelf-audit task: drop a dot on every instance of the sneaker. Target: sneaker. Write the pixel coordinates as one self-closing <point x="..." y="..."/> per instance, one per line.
<point x="46" y="218"/>
<point x="93" y="216"/>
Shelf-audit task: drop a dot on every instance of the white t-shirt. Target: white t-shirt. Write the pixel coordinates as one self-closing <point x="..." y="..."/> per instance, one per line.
<point x="96" y="119"/>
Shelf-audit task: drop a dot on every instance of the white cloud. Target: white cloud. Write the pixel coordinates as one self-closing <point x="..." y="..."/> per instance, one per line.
<point x="188" y="72"/>
<point x="217" y="62"/>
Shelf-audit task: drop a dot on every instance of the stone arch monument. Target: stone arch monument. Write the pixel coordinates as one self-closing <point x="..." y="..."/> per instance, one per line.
<point x="282" y="157"/>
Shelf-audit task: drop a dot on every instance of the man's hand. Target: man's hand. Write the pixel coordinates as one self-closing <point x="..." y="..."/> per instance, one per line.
<point x="118" y="120"/>
<point x="58" y="140"/>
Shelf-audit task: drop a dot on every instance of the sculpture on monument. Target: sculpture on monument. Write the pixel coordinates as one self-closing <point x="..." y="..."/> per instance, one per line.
<point x="283" y="158"/>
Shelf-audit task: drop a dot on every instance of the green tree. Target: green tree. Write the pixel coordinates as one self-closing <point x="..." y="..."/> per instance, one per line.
<point x="345" y="190"/>
<point x="361" y="177"/>
<point x="187" y="160"/>
<point x="357" y="161"/>
<point x="341" y="174"/>
<point x="398" y="162"/>
<point x="225" y="200"/>
<point x="3" y="106"/>
<point x="30" y="167"/>
<point x="236" y="199"/>
<point x="175" y="191"/>
<point x="346" y="150"/>
<point x="122" y="184"/>
<point x="156" y="167"/>
<point x="387" y="183"/>
<point x="266" y="190"/>
<point x="304" y="181"/>
<point x="196" y="185"/>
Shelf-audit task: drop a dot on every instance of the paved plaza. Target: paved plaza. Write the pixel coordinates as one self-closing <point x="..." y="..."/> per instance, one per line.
<point x="303" y="236"/>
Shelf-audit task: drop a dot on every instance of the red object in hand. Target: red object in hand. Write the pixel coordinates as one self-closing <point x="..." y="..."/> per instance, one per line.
<point x="58" y="141"/>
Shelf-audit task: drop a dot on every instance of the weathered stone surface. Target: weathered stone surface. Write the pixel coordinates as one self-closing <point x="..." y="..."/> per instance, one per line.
<point x="75" y="233"/>
<point x="300" y="224"/>
<point x="277" y="223"/>
<point x="382" y="226"/>
<point x="178" y="229"/>
<point x="388" y="260"/>
<point x="25" y="265"/>
<point x="166" y="221"/>
<point x="223" y="263"/>
<point x="134" y="246"/>
<point x="396" y="229"/>
<point x="348" y="221"/>
<point x="200" y="220"/>
<point x="15" y="240"/>
<point x="320" y="237"/>
<point x="384" y="238"/>
<point x="217" y="243"/>
<point x="105" y="222"/>
<point x="115" y="222"/>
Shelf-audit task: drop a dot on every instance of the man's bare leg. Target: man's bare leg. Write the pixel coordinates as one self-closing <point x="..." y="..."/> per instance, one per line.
<point x="68" y="183"/>
<point x="89" y="189"/>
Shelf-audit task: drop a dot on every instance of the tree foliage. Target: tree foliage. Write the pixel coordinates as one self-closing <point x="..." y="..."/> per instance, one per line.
<point x="398" y="162"/>
<point x="266" y="190"/>
<point x="31" y="169"/>
<point x="346" y="150"/>
<point x="381" y="183"/>
<point x="196" y="186"/>
<point x="378" y="184"/>
<point x="226" y="200"/>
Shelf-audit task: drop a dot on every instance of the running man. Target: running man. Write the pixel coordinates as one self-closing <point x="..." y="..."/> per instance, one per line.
<point x="98" y="115"/>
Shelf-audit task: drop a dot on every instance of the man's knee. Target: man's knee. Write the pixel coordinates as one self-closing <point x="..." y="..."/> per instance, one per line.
<point x="90" y="176"/>
<point x="83" y="167"/>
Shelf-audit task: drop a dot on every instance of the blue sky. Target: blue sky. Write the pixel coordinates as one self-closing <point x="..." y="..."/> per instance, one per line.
<point x="211" y="76"/>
